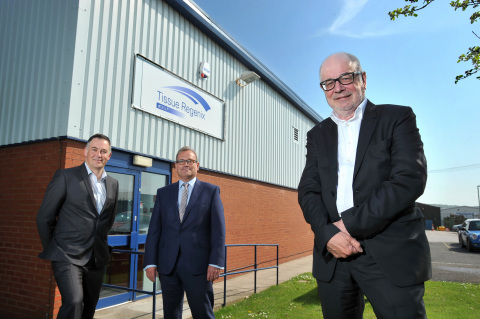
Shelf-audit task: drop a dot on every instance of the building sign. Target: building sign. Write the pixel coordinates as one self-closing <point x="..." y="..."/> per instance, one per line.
<point x="466" y="214"/>
<point x="168" y="96"/>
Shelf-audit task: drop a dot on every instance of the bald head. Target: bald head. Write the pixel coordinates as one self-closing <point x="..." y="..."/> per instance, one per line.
<point x="343" y="58"/>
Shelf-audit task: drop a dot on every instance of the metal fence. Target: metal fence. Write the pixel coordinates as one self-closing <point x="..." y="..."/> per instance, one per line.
<point x="255" y="269"/>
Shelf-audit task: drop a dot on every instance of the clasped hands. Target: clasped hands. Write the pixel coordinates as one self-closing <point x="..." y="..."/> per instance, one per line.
<point x="342" y="245"/>
<point x="213" y="273"/>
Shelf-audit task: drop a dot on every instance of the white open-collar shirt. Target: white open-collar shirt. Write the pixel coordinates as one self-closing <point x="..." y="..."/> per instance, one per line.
<point x="348" y="132"/>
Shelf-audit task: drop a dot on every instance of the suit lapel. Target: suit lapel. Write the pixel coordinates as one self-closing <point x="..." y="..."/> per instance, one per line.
<point x="173" y="196"/>
<point x="88" y="185"/>
<point x="196" y="190"/>
<point x="109" y="190"/>
<point x="331" y="132"/>
<point x="366" y="131"/>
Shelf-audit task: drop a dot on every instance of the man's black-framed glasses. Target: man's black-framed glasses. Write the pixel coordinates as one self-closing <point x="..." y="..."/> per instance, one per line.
<point x="183" y="162"/>
<point x="345" y="78"/>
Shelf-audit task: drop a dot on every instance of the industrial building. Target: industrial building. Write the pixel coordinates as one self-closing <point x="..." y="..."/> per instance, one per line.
<point x="153" y="75"/>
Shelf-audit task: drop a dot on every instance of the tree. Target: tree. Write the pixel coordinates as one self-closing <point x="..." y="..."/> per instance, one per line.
<point x="473" y="53"/>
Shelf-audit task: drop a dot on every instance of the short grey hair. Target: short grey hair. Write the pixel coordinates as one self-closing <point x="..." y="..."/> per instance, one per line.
<point x="185" y="149"/>
<point x="99" y="136"/>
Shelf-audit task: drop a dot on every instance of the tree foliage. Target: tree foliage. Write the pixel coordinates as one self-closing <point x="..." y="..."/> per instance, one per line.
<point x="473" y="53"/>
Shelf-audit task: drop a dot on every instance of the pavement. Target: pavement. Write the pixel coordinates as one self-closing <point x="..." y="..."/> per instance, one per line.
<point x="238" y="288"/>
<point x="451" y="262"/>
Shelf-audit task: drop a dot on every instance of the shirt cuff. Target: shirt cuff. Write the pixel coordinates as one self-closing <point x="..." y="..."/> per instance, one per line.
<point x="149" y="266"/>
<point x="214" y="266"/>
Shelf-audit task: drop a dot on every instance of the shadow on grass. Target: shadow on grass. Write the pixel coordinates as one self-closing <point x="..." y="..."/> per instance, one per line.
<point x="310" y="297"/>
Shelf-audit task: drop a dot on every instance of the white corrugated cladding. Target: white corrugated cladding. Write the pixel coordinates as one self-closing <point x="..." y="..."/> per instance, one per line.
<point x="37" y="40"/>
<point x="94" y="76"/>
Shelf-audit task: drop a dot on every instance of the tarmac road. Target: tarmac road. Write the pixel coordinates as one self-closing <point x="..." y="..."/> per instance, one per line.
<point x="450" y="262"/>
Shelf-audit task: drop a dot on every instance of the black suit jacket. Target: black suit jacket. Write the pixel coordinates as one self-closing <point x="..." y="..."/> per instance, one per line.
<point x="389" y="175"/>
<point x="69" y="225"/>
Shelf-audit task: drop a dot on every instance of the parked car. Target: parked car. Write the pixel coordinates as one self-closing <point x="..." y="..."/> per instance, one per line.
<point x="123" y="223"/>
<point x="456" y="227"/>
<point x="469" y="234"/>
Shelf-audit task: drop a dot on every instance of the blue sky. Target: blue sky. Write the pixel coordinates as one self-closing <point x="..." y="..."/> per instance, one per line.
<point x="410" y="61"/>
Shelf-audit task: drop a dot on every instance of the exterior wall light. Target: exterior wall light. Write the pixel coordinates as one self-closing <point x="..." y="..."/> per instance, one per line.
<point x="247" y="77"/>
<point x="142" y="161"/>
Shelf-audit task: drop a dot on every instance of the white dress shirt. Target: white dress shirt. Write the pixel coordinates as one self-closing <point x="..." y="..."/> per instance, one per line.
<point x="191" y="185"/>
<point x="98" y="187"/>
<point x="348" y="132"/>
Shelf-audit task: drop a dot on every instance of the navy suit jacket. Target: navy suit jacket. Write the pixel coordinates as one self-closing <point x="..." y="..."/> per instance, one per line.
<point x="68" y="223"/>
<point x="200" y="237"/>
<point x="390" y="173"/>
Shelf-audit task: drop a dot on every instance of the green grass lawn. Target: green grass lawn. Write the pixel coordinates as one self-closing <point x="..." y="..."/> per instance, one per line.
<point x="297" y="298"/>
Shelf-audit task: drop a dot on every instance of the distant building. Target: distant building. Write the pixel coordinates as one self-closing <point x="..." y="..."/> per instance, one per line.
<point x="465" y="211"/>
<point x="431" y="214"/>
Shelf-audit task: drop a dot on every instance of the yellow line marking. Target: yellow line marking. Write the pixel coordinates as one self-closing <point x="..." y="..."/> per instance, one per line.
<point x="449" y="248"/>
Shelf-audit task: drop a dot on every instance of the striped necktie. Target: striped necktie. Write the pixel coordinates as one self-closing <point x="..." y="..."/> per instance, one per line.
<point x="183" y="201"/>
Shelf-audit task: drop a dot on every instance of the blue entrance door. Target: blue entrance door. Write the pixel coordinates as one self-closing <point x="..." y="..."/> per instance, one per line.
<point x="137" y="191"/>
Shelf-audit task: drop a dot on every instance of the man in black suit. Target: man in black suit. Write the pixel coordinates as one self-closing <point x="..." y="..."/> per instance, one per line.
<point x="365" y="168"/>
<point x="185" y="244"/>
<point x="77" y="212"/>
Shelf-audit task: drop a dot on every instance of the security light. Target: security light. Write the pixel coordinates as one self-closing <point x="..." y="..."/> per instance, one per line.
<point x="247" y="77"/>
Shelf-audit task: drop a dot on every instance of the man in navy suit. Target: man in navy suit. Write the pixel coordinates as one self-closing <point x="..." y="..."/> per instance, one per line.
<point x="365" y="168"/>
<point x="185" y="244"/>
<point x="77" y="212"/>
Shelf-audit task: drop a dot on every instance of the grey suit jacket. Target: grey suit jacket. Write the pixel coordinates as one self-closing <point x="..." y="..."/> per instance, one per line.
<point x="68" y="223"/>
<point x="389" y="175"/>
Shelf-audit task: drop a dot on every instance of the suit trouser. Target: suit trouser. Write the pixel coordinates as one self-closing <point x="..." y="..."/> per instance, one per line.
<point x="343" y="296"/>
<point x="80" y="288"/>
<point x="199" y="292"/>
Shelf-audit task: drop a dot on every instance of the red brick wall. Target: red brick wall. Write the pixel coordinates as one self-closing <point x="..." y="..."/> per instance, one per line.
<point x="255" y="212"/>
<point x="259" y="213"/>
<point x="27" y="287"/>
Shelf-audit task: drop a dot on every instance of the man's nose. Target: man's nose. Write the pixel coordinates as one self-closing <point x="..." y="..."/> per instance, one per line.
<point x="339" y="87"/>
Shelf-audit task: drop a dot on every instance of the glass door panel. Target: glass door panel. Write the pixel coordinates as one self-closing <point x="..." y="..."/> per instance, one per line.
<point x="150" y="183"/>
<point x="143" y="282"/>
<point x="124" y="215"/>
<point x="118" y="273"/>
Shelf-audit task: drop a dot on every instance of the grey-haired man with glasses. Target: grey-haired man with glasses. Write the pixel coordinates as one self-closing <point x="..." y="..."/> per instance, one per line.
<point x="364" y="170"/>
<point x="185" y="245"/>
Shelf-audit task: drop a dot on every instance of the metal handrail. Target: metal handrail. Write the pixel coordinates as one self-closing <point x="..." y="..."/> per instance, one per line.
<point x="226" y="273"/>
<point x="154" y="289"/>
<point x="154" y="292"/>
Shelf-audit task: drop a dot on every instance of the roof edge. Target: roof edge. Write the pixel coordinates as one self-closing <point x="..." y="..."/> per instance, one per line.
<point x="193" y="13"/>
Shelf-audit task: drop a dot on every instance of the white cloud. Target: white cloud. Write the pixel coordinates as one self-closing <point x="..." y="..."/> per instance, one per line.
<point x="351" y="23"/>
<point x="350" y="9"/>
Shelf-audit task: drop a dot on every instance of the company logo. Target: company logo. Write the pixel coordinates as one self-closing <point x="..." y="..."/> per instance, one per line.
<point x="182" y="107"/>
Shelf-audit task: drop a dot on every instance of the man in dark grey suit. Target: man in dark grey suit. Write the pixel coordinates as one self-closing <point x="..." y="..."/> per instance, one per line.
<point x="77" y="212"/>
<point x="365" y="168"/>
